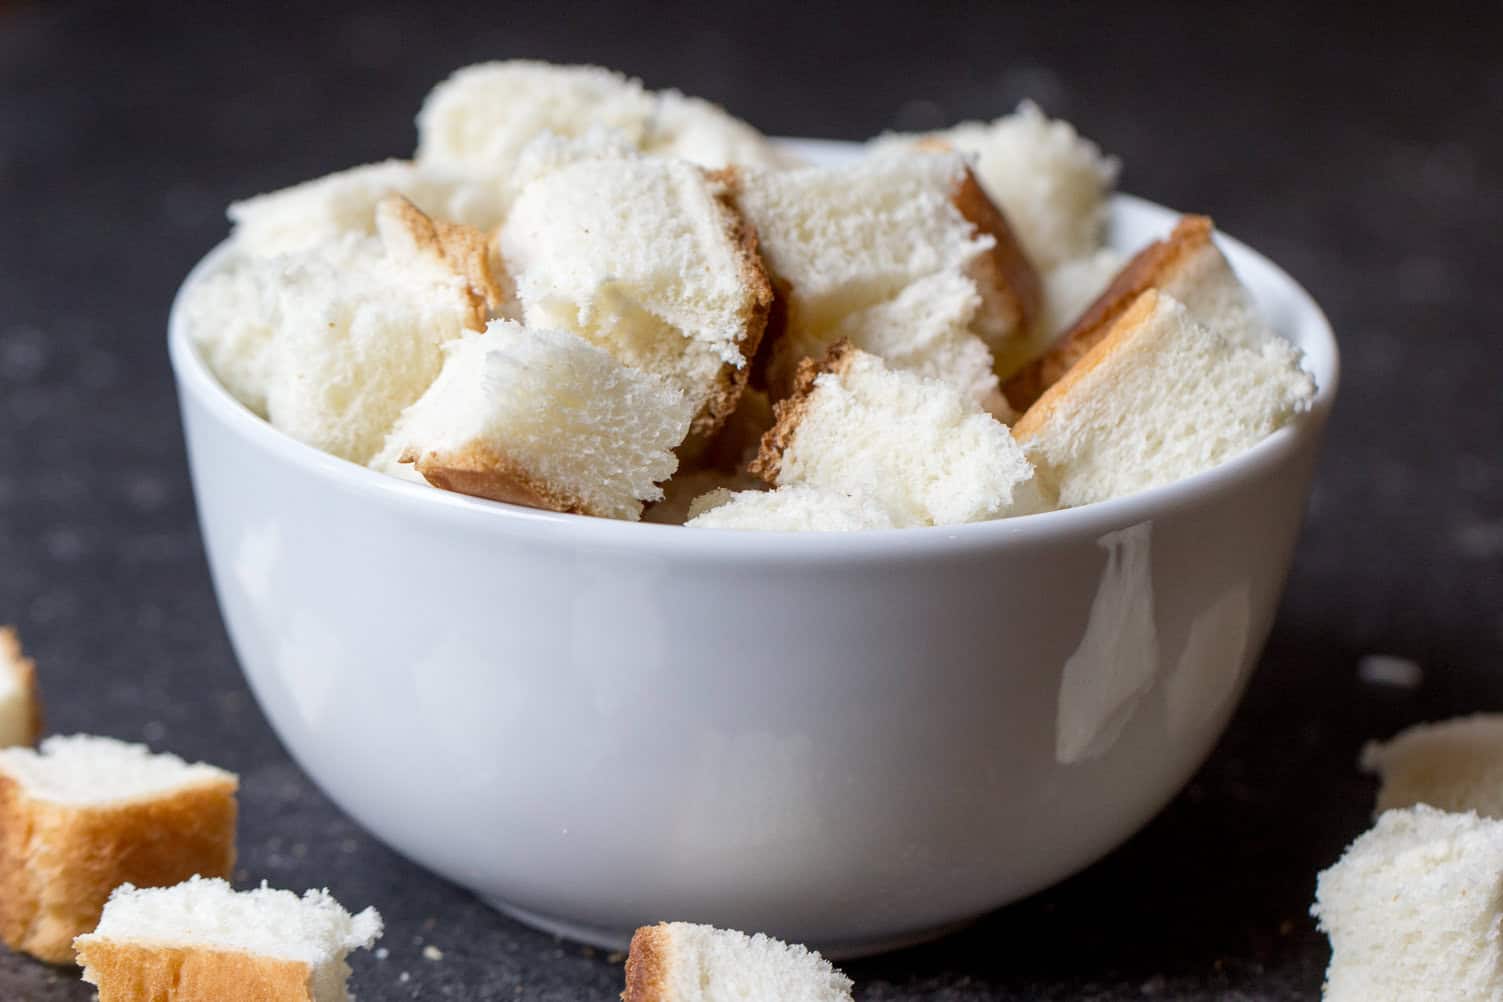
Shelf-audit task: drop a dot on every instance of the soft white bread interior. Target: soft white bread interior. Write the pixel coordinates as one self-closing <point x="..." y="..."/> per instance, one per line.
<point x="1186" y="265"/>
<point x="1413" y="910"/>
<point x="482" y="117"/>
<point x="85" y="814"/>
<point x="231" y="315"/>
<point x="649" y="259"/>
<point x="1052" y="183"/>
<point x="687" y="486"/>
<point x="359" y="326"/>
<point x="545" y="419"/>
<point x="1070" y="289"/>
<point x="1160" y="398"/>
<point x="794" y="508"/>
<point x="840" y="240"/>
<point x="916" y="447"/>
<point x="680" y="962"/>
<point x="1455" y="765"/>
<point x="20" y="703"/>
<point x="201" y="939"/>
<point x="305" y="215"/>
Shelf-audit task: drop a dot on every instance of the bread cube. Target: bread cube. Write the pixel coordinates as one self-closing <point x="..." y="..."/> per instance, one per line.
<point x="1455" y="765"/>
<point x="680" y="962"/>
<point x="20" y="704"/>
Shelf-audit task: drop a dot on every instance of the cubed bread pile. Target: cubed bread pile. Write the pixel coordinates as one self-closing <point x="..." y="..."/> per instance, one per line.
<point x="585" y="296"/>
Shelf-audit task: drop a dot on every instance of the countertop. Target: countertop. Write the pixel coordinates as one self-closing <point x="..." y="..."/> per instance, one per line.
<point x="1364" y="156"/>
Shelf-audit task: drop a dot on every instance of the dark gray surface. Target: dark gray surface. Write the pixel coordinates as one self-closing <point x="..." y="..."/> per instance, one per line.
<point x="1364" y="156"/>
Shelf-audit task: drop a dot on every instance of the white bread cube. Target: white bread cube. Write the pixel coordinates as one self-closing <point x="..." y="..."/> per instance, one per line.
<point x="20" y="703"/>
<point x="696" y="130"/>
<point x="1413" y="911"/>
<point x="231" y="316"/>
<point x="839" y="240"/>
<point x="916" y="447"/>
<point x="362" y="322"/>
<point x="305" y="215"/>
<point x="1455" y="765"/>
<point x="649" y="259"/>
<point x="201" y="940"/>
<point x="926" y="330"/>
<point x="794" y="508"/>
<point x="1052" y="183"/>
<point x="680" y="962"/>
<point x="545" y="419"/>
<point x="1071" y="288"/>
<point x="481" y="118"/>
<point x="1160" y="398"/>
<point x="1186" y="265"/>
<point x="84" y="815"/>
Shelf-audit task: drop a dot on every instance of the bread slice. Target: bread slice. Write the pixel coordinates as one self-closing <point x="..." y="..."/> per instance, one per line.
<point x="1052" y="183"/>
<point x="305" y="215"/>
<point x="649" y="259"/>
<point x="545" y="419"/>
<point x="1186" y="265"/>
<point x="481" y="118"/>
<point x="1413" y="910"/>
<point x="795" y="508"/>
<point x="680" y="962"/>
<point x="1455" y="765"/>
<point x="841" y="240"/>
<point x="1160" y="398"/>
<point x="361" y="324"/>
<point x="84" y="815"/>
<point x="916" y="447"/>
<point x="201" y="940"/>
<point x="20" y="703"/>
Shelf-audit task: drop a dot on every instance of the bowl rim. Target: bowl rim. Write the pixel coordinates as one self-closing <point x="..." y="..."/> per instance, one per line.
<point x="194" y="380"/>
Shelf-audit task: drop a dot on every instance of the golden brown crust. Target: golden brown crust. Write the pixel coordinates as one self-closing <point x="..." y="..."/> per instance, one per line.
<point x="1009" y="285"/>
<point x="1149" y="268"/>
<point x="25" y="669"/>
<point x="789" y="412"/>
<point x="483" y="472"/>
<point x="134" y="972"/>
<point x="755" y="308"/>
<point x="647" y="965"/>
<point x="59" y="862"/>
<point x="1125" y="325"/>
<point x="460" y="249"/>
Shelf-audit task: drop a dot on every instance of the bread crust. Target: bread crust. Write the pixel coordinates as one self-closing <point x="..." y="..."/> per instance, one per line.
<point x="1122" y="329"/>
<point x="647" y="965"/>
<point x="1149" y="268"/>
<point x="481" y="471"/>
<point x="1012" y="295"/>
<point x="12" y="654"/>
<point x="756" y="304"/>
<point x="462" y="250"/>
<point x="124" y="971"/>
<point x="789" y="412"/>
<point x="59" y="862"/>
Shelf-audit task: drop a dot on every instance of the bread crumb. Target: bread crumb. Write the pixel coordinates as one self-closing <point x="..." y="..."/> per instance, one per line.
<point x="615" y="957"/>
<point x="382" y="953"/>
<point x="1388" y="670"/>
<point x="432" y="952"/>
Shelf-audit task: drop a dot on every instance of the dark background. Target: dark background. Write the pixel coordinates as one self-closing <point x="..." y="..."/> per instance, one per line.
<point x="1362" y="153"/>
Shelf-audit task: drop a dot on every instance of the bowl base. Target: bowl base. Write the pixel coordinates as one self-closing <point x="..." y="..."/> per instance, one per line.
<point x="619" y="940"/>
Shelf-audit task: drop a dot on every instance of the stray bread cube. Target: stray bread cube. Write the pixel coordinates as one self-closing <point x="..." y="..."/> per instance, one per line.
<point x="87" y="814"/>
<point x="795" y="508"/>
<point x="840" y="240"/>
<point x="680" y="962"/>
<point x="1186" y="265"/>
<point x="1413" y="910"/>
<point x="1159" y="399"/>
<point x="650" y="260"/>
<point x="201" y="941"/>
<point x="916" y="447"/>
<point x="1455" y="765"/>
<point x="20" y="704"/>
<point x="305" y="215"/>
<point x="1052" y="183"/>
<point x="544" y="419"/>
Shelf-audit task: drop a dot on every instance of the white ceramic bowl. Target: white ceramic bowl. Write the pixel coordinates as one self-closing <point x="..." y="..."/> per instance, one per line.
<point x="853" y="741"/>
